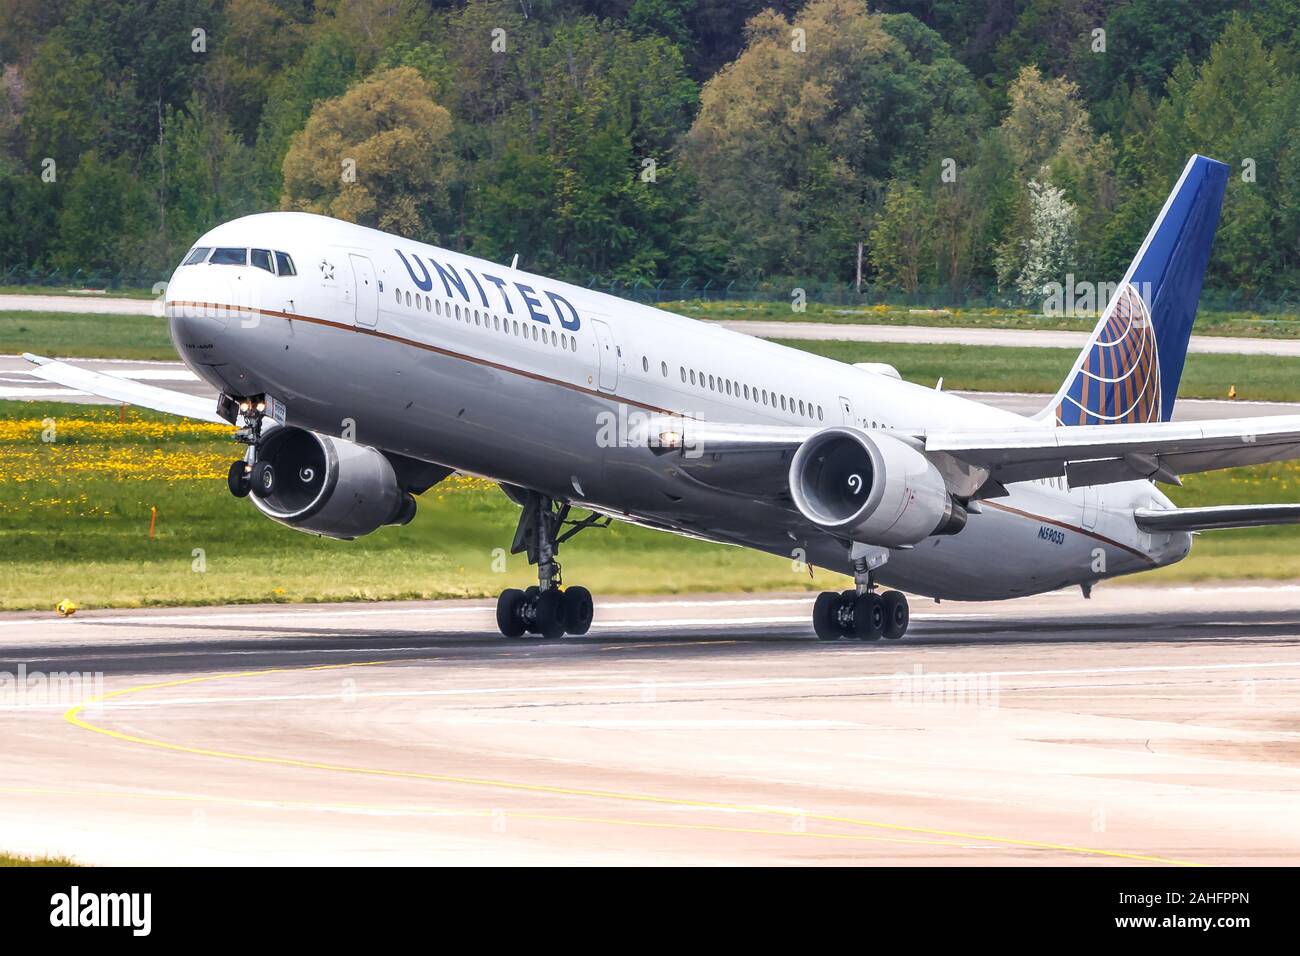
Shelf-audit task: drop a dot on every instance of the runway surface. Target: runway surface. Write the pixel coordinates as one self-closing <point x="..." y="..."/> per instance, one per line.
<point x="1146" y="726"/>
<point x="17" y="382"/>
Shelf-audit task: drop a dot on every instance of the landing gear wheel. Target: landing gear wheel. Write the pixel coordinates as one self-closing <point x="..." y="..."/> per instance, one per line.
<point x="578" y="610"/>
<point x="237" y="479"/>
<point x="826" y="616"/>
<point x="897" y="614"/>
<point x="868" y="616"/>
<point x="509" y="623"/>
<point x="262" y="479"/>
<point x="549" y="611"/>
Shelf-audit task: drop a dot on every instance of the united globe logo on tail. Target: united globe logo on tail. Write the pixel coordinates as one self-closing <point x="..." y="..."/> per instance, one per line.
<point x="1119" y="379"/>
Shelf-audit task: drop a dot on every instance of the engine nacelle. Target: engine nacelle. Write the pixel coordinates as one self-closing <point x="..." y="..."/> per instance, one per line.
<point x="871" y="488"/>
<point x="328" y="486"/>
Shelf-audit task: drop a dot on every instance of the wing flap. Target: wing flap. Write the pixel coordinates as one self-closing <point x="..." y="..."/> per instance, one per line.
<point x="123" y="390"/>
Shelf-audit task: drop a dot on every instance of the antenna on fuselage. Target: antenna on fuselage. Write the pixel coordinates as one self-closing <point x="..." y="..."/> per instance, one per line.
<point x="514" y="263"/>
<point x="938" y="386"/>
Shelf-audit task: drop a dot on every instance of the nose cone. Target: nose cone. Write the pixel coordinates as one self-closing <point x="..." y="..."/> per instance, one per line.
<point x="206" y="305"/>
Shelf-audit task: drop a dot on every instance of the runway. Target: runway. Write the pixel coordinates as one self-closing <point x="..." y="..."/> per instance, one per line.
<point x="17" y="382"/>
<point x="1146" y="726"/>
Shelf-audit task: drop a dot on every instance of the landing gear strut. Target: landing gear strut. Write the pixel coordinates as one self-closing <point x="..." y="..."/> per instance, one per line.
<point x="548" y="609"/>
<point x="861" y="613"/>
<point x="247" y="474"/>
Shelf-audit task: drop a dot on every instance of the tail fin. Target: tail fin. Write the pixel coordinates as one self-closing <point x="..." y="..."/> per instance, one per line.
<point x="1129" y="370"/>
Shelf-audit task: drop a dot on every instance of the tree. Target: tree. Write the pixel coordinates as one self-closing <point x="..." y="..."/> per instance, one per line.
<point x="1050" y="246"/>
<point x="375" y="156"/>
<point x="586" y="181"/>
<point x="104" y="217"/>
<point x="327" y="68"/>
<point x="899" y="240"/>
<point x="796" y="139"/>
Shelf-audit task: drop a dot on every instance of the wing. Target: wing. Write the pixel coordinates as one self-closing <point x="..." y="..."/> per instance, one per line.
<point x="122" y="390"/>
<point x="1102" y="454"/>
<point x="1216" y="518"/>
<point x="743" y="459"/>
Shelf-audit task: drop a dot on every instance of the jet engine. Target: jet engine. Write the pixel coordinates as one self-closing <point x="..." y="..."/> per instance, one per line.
<point x="326" y="486"/>
<point x="872" y="488"/>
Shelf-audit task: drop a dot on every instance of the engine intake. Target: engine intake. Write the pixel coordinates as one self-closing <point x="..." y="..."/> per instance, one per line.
<point x="872" y="488"/>
<point x="327" y="486"/>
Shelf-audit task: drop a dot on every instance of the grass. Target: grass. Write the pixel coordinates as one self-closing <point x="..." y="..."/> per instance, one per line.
<point x="984" y="368"/>
<point x="75" y="334"/>
<point x="966" y="367"/>
<point x="10" y="859"/>
<point x="1247" y="324"/>
<point x="75" y="516"/>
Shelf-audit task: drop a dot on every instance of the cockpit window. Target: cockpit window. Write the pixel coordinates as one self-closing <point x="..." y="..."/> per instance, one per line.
<point x="262" y="259"/>
<point x="229" y="257"/>
<point x="285" y="264"/>
<point x="197" y="256"/>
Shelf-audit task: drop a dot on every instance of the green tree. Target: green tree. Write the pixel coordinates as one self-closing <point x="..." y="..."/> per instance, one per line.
<point x="796" y="139"/>
<point x="586" y="181"/>
<point x="104" y="217"/>
<point x="375" y="156"/>
<point x="901" y="235"/>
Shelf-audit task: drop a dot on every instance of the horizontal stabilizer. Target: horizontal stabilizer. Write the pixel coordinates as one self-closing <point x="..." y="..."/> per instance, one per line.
<point x="124" y="391"/>
<point x="1216" y="518"/>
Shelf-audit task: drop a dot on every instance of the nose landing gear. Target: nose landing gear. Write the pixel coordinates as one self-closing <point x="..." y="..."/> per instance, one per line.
<point x="244" y="475"/>
<point x="548" y="609"/>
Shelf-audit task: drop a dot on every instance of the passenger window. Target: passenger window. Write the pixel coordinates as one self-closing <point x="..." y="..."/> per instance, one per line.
<point x="262" y="259"/>
<point x="284" y="265"/>
<point x="645" y="363"/>
<point x="398" y="293"/>
<point x="663" y="367"/>
<point x="197" y="256"/>
<point x="408" y="300"/>
<point x="229" y="257"/>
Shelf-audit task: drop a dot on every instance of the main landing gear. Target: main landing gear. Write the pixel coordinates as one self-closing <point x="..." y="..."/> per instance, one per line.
<point x="547" y="609"/>
<point x="247" y="474"/>
<point x="861" y="613"/>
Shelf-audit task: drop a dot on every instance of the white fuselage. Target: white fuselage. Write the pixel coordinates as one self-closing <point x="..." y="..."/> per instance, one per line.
<point x="440" y="356"/>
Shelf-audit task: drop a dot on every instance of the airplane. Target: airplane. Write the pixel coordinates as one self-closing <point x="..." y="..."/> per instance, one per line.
<point x="360" y="368"/>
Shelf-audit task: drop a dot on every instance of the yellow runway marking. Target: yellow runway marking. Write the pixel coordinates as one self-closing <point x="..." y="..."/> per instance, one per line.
<point x="399" y="810"/>
<point x="73" y="716"/>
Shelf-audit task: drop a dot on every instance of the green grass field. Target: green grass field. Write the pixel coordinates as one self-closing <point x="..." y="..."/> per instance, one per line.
<point x="75" y="516"/>
<point x="984" y="368"/>
<point x="79" y="335"/>
<point x="1248" y="324"/>
<point x="972" y="367"/>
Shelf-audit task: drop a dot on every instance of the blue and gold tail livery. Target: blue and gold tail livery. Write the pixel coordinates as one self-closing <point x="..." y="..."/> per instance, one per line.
<point x="1129" y="370"/>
